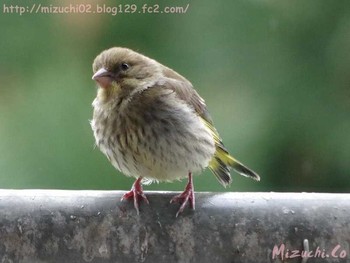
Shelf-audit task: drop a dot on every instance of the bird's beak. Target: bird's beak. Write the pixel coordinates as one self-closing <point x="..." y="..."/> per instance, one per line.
<point x="102" y="72"/>
<point x="103" y="77"/>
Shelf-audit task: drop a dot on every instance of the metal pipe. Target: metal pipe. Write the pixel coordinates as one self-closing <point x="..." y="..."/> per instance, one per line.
<point x="95" y="226"/>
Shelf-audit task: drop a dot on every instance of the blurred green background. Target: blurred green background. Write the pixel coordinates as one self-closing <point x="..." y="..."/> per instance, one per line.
<point x="275" y="76"/>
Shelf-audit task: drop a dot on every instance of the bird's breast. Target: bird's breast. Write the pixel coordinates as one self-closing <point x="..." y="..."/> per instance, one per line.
<point x="157" y="143"/>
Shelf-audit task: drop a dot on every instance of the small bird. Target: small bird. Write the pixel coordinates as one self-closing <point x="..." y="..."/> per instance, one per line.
<point x="152" y="125"/>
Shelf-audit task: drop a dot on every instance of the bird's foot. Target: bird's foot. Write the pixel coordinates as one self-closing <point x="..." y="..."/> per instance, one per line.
<point x="136" y="193"/>
<point x="186" y="197"/>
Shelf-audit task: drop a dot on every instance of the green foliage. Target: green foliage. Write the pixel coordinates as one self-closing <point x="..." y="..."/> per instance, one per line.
<point x="275" y="76"/>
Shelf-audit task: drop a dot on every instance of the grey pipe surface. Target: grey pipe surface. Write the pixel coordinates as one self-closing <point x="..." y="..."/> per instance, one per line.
<point x="95" y="226"/>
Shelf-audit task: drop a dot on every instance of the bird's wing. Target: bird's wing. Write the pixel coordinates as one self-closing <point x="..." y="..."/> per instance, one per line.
<point x="222" y="161"/>
<point x="185" y="91"/>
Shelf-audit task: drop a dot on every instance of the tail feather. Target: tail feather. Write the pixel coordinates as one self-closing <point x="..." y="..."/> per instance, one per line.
<point x="221" y="171"/>
<point x="243" y="170"/>
<point x="222" y="163"/>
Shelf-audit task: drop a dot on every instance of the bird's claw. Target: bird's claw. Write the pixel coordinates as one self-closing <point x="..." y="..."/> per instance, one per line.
<point x="186" y="197"/>
<point x="136" y="193"/>
<point x="183" y="199"/>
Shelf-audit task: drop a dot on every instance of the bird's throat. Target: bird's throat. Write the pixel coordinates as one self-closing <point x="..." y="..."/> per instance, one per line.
<point x="106" y="94"/>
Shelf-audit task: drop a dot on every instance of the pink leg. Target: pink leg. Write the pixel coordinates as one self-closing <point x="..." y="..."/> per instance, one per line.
<point x="136" y="193"/>
<point x="186" y="196"/>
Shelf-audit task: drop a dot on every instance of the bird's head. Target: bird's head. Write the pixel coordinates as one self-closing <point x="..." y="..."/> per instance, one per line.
<point x="118" y="71"/>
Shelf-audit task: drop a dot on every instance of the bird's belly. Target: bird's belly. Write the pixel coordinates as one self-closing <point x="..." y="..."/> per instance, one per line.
<point x="159" y="150"/>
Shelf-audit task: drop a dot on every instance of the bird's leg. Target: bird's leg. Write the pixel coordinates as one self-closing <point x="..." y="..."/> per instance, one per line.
<point x="186" y="196"/>
<point x="136" y="193"/>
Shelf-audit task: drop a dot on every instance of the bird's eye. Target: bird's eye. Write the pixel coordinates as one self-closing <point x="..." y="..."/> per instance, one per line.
<point x="124" y="66"/>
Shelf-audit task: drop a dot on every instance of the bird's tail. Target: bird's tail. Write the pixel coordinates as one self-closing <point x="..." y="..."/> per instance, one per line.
<point x="222" y="163"/>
